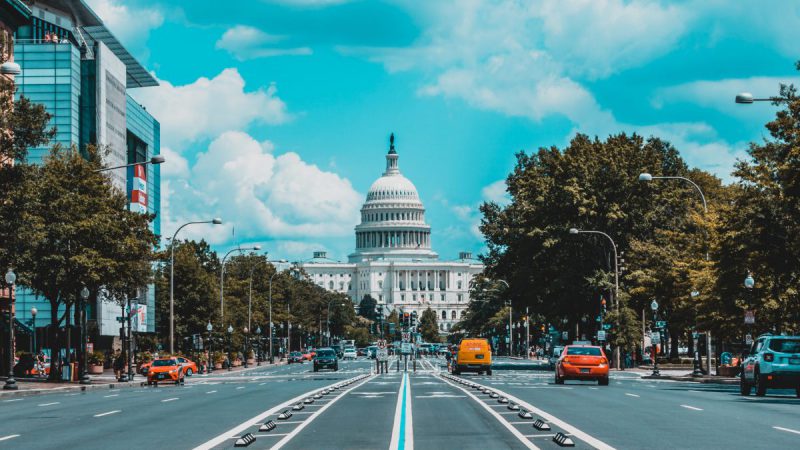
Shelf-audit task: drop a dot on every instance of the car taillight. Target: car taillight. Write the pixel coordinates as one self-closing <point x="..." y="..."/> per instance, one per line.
<point x="566" y="360"/>
<point x="769" y="357"/>
<point x="603" y="361"/>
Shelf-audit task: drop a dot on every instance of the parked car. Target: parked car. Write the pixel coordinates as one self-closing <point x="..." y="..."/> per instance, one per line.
<point x="361" y="351"/>
<point x="165" y="370"/>
<point x="582" y="362"/>
<point x="189" y="367"/>
<point x="474" y="355"/>
<point x="326" y="359"/>
<point x="349" y="353"/>
<point x="296" y="357"/>
<point x="772" y="362"/>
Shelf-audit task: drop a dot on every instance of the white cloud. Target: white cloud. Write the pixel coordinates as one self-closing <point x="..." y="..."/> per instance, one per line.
<point x="207" y="107"/>
<point x="175" y="165"/>
<point x="261" y="194"/>
<point x="131" y="26"/>
<point x="496" y="192"/>
<point x="309" y="3"/>
<point x="245" y="42"/>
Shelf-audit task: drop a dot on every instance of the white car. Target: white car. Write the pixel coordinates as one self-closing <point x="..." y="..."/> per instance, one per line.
<point x="349" y="353"/>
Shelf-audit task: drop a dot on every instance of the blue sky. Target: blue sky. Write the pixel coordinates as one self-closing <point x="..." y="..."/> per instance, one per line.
<point x="276" y="113"/>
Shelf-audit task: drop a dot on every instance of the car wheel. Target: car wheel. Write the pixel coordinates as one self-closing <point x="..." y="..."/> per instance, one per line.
<point x="189" y="372"/>
<point x="761" y="388"/>
<point x="797" y="391"/>
<point x="559" y="380"/>
<point x="744" y="387"/>
<point x="603" y="381"/>
<point x="489" y="372"/>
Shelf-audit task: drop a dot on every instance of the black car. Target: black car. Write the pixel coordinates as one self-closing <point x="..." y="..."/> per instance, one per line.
<point x="326" y="359"/>
<point x="295" y="357"/>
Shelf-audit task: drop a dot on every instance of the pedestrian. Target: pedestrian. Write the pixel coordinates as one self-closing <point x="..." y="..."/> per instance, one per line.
<point x="119" y="364"/>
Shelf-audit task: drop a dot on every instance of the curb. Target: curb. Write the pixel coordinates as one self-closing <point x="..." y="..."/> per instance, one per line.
<point x="705" y="380"/>
<point x="66" y="389"/>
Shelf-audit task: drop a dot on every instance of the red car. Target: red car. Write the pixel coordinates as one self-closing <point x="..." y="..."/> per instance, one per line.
<point x="582" y="362"/>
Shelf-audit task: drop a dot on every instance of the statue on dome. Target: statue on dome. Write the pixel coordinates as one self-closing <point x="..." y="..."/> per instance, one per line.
<point x="391" y="143"/>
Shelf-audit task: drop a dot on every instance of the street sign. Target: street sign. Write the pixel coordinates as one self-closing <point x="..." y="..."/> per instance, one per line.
<point x="655" y="336"/>
<point x="748" y="339"/>
<point x="749" y="317"/>
<point x="406" y="336"/>
<point x="606" y="326"/>
<point x="601" y="335"/>
<point x="661" y="323"/>
<point x="565" y="335"/>
<point x="405" y="348"/>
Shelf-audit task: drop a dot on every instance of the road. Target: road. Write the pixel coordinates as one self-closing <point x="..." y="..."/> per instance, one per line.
<point x="426" y="409"/>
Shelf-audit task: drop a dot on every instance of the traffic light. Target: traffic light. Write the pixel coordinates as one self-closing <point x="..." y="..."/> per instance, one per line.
<point x="542" y="328"/>
<point x="413" y="318"/>
<point x="406" y="319"/>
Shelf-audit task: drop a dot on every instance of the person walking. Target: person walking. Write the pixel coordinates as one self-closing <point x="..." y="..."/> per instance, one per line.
<point x="119" y="364"/>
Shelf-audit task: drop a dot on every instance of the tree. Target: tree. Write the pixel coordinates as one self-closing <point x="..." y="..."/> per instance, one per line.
<point x="428" y="326"/>
<point x="368" y="308"/>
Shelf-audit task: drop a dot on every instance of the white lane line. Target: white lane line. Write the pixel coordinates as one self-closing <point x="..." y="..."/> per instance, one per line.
<point x="240" y="387"/>
<point x="271" y="435"/>
<point x="310" y="419"/>
<point x="788" y="430"/>
<point x="692" y="408"/>
<point x="48" y="404"/>
<point x="170" y="399"/>
<point x="10" y="436"/>
<point x="261" y="384"/>
<point x="631" y="395"/>
<point x="108" y="413"/>
<point x="210" y="392"/>
<point x="593" y="441"/>
<point x="12" y="400"/>
<point x="112" y="395"/>
<point x="514" y="431"/>
<point x="224" y="437"/>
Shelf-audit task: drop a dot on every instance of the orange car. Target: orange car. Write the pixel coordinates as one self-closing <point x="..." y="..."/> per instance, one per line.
<point x="165" y="370"/>
<point x="144" y="367"/>
<point x="582" y="362"/>
<point x="189" y="367"/>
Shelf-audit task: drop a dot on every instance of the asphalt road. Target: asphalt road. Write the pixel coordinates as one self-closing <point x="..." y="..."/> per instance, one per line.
<point x="426" y="409"/>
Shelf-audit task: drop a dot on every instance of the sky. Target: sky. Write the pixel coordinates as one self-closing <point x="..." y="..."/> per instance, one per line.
<point x="275" y="114"/>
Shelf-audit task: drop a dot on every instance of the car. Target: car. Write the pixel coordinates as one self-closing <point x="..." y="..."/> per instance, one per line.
<point x="144" y="367"/>
<point x="349" y="353"/>
<point x="326" y="359"/>
<point x="296" y="357"/>
<point x="361" y="351"/>
<point x="474" y="355"/>
<point x="189" y="367"/>
<point x="555" y="353"/>
<point x="372" y="351"/>
<point x="772" y="362"/>
<point x="165" y="370"/>
<point x="582" y="362"/>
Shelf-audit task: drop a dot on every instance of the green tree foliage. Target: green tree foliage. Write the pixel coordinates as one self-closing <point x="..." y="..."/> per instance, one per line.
<point x="368" y="308"/>
<point x="428" y="326"/>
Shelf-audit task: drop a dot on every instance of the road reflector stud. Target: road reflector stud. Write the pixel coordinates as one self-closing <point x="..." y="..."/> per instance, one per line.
<point x="308" y="401"/>
<point x="284" y="415"/>
<point x="502" y="400"/>
<point x="486" y="390"/>
<point x="562" y="440"/>
<point x="245" y="440"/>
<point x="513" y="407"/>
<point x="525" y="414"/>
<point x="298" y="407"/>
<point x="317" y="396"/>
<point x="267" y="426"/>
<point x="541" y="425"/>
<point x="494" y="395"/>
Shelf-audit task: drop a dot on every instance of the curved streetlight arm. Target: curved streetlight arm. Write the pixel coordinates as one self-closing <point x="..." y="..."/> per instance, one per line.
<point x="222" y="279"/>
<point x="702" y="196"/>
<point x="158" y="159"/>
<point x="616" y="261"/>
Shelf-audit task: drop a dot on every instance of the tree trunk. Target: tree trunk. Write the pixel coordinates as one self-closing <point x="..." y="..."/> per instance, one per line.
<point x="673" y="348"/>
<point x="55" y="345"/>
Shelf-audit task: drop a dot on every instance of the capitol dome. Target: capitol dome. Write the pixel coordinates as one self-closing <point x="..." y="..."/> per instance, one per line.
<point x="392" y="218"/>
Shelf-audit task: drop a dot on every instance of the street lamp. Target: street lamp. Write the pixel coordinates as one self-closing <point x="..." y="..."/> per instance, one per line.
<point x="749" y="282"/>
<point x="616" y="273"/>
<point x="11" y="383"/>
<point x="155" y="160"/>
<point x="246" y="345"/>
<point x="271" y="333"/>
<point x="84" y="378"/>
<point x="210" y="362"/>
<point x="230" y="341"/>
<point x="34" y="311"/>
<point x="329" y="321"/>
<point x="260" y="343"/>
<point x="746" y="98"/>
<point x="222" y="279"/>
<point x="656" y="373"/>
<point x="214" y="221"/>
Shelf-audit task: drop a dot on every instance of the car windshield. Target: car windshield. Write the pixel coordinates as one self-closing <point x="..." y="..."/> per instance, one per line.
<point x="349" y="349"/>
<point x="296" y="354"/>
<point x="584" y="351"/>
<point x="785" y="345"/>
<point x="326" y="353"/>
<point x="164" y="362"/>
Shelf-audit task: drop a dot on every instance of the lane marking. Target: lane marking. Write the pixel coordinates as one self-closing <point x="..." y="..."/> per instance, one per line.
<point x="48" y="404"/>
<point x="511" y="428"/>
<point x="631" y="395"/>
<point x="10" y="436"/>
<point x="112" y="395"/>
<point x="12" y="400"/>
<point x="788" y="430"/>
<point x="402" y="430"/>
<point x="692" y="408"/>
<point x="240" y="387"/>
<point x="169" y="399"/>
<point x="211" y="392"/>
<point x="593" y="441"/>
<point x="235" y="431"/>
<point x="108" y="413"/>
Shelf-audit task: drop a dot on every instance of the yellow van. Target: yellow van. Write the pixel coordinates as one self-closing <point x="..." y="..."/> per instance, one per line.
<point x="474" y="355"/>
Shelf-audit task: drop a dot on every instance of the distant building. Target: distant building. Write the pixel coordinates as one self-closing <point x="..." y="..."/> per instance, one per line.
<point x="74" y="66"/>
<point x="393" y="260"/>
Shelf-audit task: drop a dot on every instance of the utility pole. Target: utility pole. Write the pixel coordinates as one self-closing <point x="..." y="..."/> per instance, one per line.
<point x="527" y="334"/>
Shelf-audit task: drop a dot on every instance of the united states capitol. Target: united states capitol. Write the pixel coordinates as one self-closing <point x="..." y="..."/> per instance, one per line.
<point x="393" y="261"/>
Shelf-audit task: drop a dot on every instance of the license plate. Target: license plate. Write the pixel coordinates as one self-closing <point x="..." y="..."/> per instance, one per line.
<point x="478" y="356"/>
<point x="585" y="370"/>
<point x="161" y="376"/>
<point x="794" y="360"/>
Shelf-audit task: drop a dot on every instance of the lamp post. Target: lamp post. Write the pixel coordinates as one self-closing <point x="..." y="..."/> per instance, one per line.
<point x="211" y="361"/>
<point x="222" y="279"/>
<point x="616" y="280"/>
<point x="260" y="344"/>
<point x="230" y="341"/>
<point x="329" y="320"/>
<point x="656" y="373"/>
<point x="34" y="311"/>
<point x="84" y="378"/>
<point x="246" y="345"/>
<point x="11" y="383"/>
<point x="746" y="98"/>
<point x="155" y="160"/>
<point x="214" y="221"/>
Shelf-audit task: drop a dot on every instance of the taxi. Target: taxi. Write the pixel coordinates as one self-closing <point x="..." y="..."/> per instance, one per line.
<point x="189" y="367"/>
<point x="582" y="362"/>
<point x="165" y="370"/>
<point x="473" y="355"/>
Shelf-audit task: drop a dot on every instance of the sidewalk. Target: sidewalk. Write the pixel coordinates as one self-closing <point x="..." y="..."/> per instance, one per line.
<point x="36" y="386"/>
<point x="683" y="375"/>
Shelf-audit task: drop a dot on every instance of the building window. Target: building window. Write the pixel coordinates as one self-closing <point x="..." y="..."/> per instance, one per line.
<point x="330" y="285"/>
<point x="460" y="297"/>
<point x="402" y="297"/>
<point x="380" y="284"/>
<point x="441" y="327"/>
<point x="442" y="297"/>
<point x="453" y="315"/>
<point x="444" y="315"/>
<point x="463" y="313"/>
<point x="402" y="286"/>
<point x="341" y="285"/>
<point x="448" y="327"/>
<point x="458" y="285"/>
<point x="380" y="298"/>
